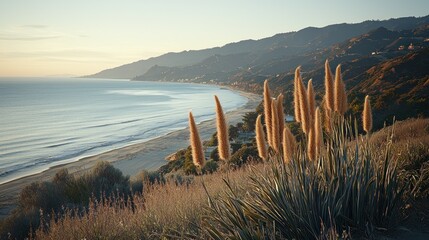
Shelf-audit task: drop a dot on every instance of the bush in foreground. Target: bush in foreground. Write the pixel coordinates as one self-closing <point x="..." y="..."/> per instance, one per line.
<point x="65" y="191"/>
<point x="347" y="189"/>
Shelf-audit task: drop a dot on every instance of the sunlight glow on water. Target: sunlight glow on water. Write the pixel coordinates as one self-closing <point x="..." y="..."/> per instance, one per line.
<point x="46" y="122"/>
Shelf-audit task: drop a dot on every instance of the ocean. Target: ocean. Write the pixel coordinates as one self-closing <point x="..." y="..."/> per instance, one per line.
<point x="45" y="122"/>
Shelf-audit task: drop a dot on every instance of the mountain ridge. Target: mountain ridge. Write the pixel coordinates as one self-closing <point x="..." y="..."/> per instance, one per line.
<point x="285" y="44"/>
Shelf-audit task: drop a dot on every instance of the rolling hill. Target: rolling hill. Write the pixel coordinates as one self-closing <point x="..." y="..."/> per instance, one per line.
<point x="259" y="52"/>
<point x="386" y="59"/>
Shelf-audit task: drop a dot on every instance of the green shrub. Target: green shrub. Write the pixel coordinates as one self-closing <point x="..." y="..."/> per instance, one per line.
<point x="64" y="190"/>
<point x="144" y="178"/>
<point x="210" y="167"/>
<point x="188" y="165"/>
<point x="214" y="155"/>
<point x="179" y="177"/>
<point x="243" y="155"/>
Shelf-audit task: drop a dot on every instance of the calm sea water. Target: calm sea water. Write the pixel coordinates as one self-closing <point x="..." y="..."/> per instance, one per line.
<point x="46" y="122"/>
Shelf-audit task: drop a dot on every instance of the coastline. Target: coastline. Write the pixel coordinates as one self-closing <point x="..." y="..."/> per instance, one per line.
<point x="131" y="159"/>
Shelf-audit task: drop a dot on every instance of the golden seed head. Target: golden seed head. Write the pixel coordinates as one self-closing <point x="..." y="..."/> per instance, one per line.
<point x="281" y="115"/>
<point x="304" y="108"/>
<point x="289" y="145"/>
<point x="267" y="110"/>
<point x="222" y="132"/>
<point x="275" y="134"/>
<point x="329" y="87"/>
<point x="318" y="132"/>
<point x="311" y="146"/>
<point x="367" y="115"/>
<point x="297" y="107"/>
<point x="260" y="139"/>
<point x="338" y="90"/>
<point x="311" y="99"/>
<point x="197" y="148"/>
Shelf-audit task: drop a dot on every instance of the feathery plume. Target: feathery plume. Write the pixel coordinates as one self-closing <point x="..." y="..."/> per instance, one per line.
<point x="367" y="115"/>
<point x="222" y="132"/>
<point x="304" y="108"/>
<point x="275" y="134"/>
<point x="260" y="139"/>
<point x="197" y="147"/>
<point x="338" y="90"/>
<point x="311" y="99"/>
<point x="267" y="110"/>
<point x="327" y="116"/>
<point x="311" y="146"/>
<point x="318" y="131"/>
<point x="281" y="115"/>
<point x="297" y="107"/>
<point x="289" y="144"/>
<point x="329" y="87"/>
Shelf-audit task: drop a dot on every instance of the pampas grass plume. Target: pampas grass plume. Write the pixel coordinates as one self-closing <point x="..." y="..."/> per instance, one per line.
<point x="311" y="146"/>
<point x="329" y="87"/>
<point x="281" y="115"/>
<point x="318" y="131"/>
<point x="222" y="132"/>
<point x="260" y="139"/>
<point x="338" y="90"/>
<point x="304" y="108"/>
<point x="311" y="99"/>
<point x="275" y="134"/>
<point x="327" y="117"/>
<point x="297" y="107"/>
<point x="267" y="110"/>
<point x="197" y="147"/>
<point x="289" y="144"/>
<point x="367" y="115"/>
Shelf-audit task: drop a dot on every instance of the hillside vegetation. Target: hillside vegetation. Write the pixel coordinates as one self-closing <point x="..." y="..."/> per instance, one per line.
<point x="327" y="177"/>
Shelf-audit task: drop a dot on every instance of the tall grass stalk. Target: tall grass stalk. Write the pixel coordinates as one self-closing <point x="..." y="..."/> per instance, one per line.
<point x="197" y="148"/>
<point x="328" y="117"/>
<point x="275" y="134"/>
<point x="267" y="111"/>
<point x="296" y="84"/>
<point x="289" y="145"/>
<point x="338" y="91"/>
<point x="304" y="107"/>
<point x="329" y="87"/>
<point x="318" y="132"/>
<point x="367" y="115"/>
<point x="311" y="100"/>
<point x="311" y="143"/>
<point x="260" y="139"/>
<point x="281" y="115"/>
<point x="222" y="132"/>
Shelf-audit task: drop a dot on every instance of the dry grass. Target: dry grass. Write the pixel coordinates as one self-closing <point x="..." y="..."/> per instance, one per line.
<point x="167" y="210"/>
<point x="163" y="210"/>
<point x="411" y="151"/>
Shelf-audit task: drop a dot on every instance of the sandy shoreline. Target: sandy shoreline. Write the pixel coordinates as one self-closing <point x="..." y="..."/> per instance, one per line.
<point x="131" y="159"/>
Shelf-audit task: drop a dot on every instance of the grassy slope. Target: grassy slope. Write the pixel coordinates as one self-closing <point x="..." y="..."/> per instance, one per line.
<point x="173" y="209"/>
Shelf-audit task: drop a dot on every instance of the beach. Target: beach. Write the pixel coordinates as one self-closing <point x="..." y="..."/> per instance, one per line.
<point x="132" y="159"/>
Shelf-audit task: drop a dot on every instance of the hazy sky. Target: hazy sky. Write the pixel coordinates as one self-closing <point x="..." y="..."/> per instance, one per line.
<point x="55" y="37"/>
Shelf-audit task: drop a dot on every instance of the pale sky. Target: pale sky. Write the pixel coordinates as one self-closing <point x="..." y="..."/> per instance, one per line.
<point x="79" y="37"/>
